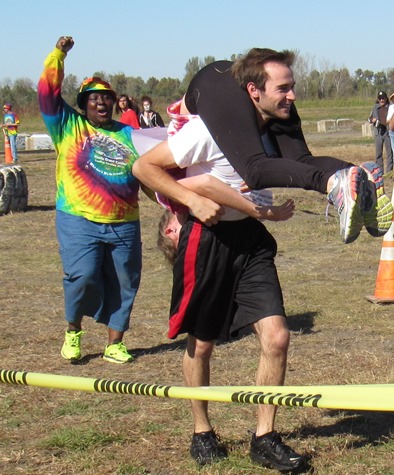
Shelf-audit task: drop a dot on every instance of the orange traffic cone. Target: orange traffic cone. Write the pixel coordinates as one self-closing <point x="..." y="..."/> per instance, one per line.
<point x="7" y="150"/>
<point x="384" y="291"/>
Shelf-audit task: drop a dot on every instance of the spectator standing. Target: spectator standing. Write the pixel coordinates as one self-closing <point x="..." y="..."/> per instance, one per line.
<point x="378" y="118"/>
<point x="10" y="128"/>
<point x="97" y="213"/>
<point x="390" y="122"/>
<point x="148" y="117"/>
<point x="125" y="108"/>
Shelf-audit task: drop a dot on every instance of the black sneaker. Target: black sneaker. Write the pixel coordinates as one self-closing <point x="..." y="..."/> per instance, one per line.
<point x="206" y="448"/>
<point x="270" y="452"/>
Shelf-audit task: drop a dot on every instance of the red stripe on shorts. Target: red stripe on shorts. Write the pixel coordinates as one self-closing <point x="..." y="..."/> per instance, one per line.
<point x="189" y="279"/>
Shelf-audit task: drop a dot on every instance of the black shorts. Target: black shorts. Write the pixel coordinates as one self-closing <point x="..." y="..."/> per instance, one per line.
<point x="224" y="279"/>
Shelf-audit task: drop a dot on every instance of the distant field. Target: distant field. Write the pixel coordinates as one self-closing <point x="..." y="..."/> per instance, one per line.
<point x="310" y="112"/>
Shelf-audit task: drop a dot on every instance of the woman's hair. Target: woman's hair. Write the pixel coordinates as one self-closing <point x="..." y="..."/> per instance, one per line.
<point x="251" y="66"/>
<point x="164" y="243"/>
<point x="146" y="99"/>
<point x="129" y="104"/>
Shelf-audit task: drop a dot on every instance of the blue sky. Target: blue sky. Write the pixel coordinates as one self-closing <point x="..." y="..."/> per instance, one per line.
<point x="158" y="37"/>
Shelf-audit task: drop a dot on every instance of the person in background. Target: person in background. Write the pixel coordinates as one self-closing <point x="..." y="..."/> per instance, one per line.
<point x="390" y="121"/>
<point x="378" y="118"/>
<point x="10" y="127"/>
<point x="125" y="108"/>
<point x="148" y="117"/>
<point x="97" y="212"/>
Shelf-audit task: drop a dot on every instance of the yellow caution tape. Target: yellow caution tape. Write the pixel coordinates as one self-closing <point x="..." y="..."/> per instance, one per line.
<point x="369" y="397"/>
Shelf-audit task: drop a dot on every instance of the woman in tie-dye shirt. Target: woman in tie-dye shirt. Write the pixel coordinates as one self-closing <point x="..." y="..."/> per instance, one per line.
<point x="97" y="215"/>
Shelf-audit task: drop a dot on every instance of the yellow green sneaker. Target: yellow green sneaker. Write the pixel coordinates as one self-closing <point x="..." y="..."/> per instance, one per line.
<point x="71" y="349"/>
<point x="378" y="209"/>
<point x="117" y="353"/>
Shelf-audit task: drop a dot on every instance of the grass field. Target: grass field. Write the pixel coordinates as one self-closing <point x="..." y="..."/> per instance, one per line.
<point x="338" y="337"/>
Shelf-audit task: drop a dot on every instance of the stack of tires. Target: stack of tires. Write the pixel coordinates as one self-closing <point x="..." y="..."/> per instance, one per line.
<point x="13" y="189"/>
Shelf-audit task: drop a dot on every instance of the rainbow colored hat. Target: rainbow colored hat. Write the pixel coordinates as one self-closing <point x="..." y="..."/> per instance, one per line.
<point x="93" y="84"/>
<point x="7" y="106"/>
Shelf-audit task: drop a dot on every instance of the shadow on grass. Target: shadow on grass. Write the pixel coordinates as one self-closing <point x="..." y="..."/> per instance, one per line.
<point x="154" y="350"/>
<point x="372" y="427"/>
<point x="302" y="322"/>
<point x="85" y="359"/>
<point x="137" y="352"/>
<point x="41" y="208"/>
<point x="307" y="211"/>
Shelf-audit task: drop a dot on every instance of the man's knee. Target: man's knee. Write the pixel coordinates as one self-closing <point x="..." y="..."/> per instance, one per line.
<point x="199" y="349"/>
<point x="273" y="334"/>
<point x="282" y="339"/>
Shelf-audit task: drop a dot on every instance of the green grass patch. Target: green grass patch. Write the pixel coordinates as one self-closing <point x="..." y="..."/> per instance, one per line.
<point x="79" y="439"/>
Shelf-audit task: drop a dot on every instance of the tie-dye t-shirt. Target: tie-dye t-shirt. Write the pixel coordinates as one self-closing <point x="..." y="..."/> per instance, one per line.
<point x="11" y="118"/>
<point x="93" y="171"/>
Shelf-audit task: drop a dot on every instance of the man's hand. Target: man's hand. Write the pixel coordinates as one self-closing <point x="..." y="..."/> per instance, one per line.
<point x="65" y="43"/>
<point x="280" y="213"/>
<point x="206" y="210"/>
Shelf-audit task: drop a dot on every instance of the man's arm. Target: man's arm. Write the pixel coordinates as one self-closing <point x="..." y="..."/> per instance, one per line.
<point x="151" y="168"/>
<point x="9" y="124"/>
<point x="214" y="189"/>
<point x="201" y="194"/>
<point x="391" y="124"/>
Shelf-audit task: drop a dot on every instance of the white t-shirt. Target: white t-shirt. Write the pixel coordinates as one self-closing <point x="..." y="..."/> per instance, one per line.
<point x="390" y="113"/>
<point x="194" y="149"/>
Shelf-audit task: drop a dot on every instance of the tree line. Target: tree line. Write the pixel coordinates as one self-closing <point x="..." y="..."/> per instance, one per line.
<point x="322" y="82"/>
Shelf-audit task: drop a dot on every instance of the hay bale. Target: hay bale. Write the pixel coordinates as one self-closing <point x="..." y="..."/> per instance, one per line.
<point x="21" y="141"/>
<point x="367" y="130"/>
<point x="345" y="124"/>
<point x="13" y="189"/>
<point x="39" y="142"/>
<point x="325" y="126"/>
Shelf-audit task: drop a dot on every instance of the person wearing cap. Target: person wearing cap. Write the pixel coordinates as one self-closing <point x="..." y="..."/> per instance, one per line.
<point x="97" y="213"/>
<point x="378" y="118"/>
<point x="10" y="128"/>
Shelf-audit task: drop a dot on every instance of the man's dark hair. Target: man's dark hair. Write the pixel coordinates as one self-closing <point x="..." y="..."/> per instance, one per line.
<point x="251" y="66"/>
